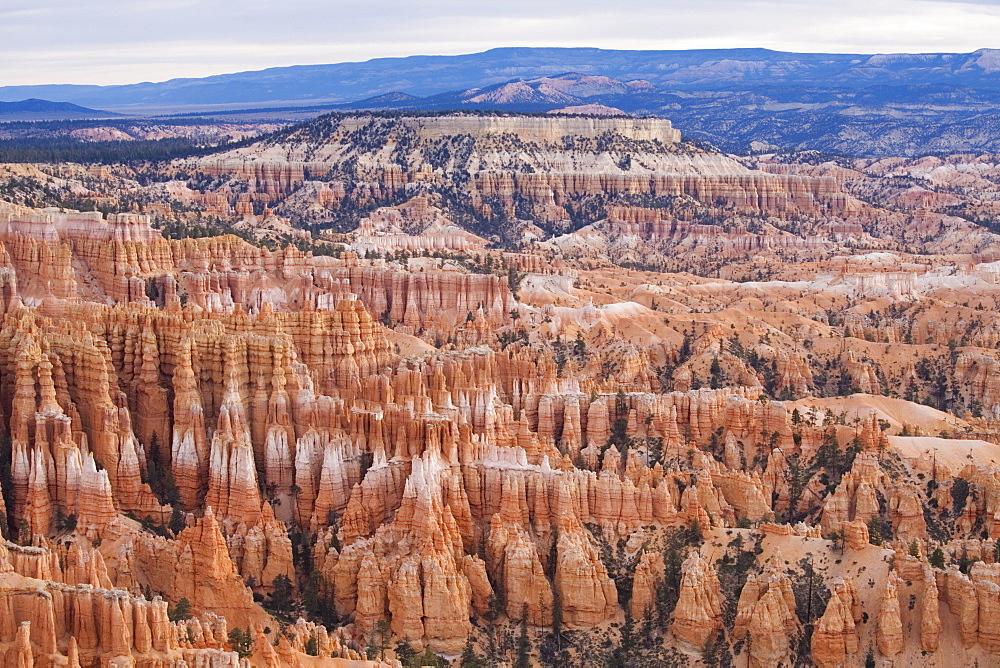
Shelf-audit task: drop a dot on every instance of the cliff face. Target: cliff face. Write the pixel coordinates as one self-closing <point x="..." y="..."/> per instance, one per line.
<point x="552" y="170"/>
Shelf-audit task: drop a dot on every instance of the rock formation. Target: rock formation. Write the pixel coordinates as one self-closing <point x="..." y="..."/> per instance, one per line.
<point x="890" y="627"/>
<point x="835" y="637"/>
<point x="698" y="615"/>
<point x="409" y="437"/>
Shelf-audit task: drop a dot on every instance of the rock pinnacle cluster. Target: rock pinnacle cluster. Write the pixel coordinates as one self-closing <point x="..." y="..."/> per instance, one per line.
<point x="537" y="404"/>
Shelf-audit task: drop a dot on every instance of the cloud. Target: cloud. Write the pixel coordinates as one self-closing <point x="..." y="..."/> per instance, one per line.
<point x="122" y="41"/>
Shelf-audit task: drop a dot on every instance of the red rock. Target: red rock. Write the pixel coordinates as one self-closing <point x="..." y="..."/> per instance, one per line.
<point x="890" y="627"/>
<point x="698" y="615"/>
<point x="648" y="573"/>
<point x="835" y="637"/>
<point x="930" y="619"/>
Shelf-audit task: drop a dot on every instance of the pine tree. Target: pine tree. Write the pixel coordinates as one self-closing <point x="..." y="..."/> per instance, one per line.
<point x="694" y="533"/>
<point x="176" y="524"/>
<point x="523" y="643"/>
<point x="405" y="653"/>
<point x="383" y="632"/>
<point x="180" y="611"/>
<point x="620" y="656"/>
<point x="470" y="659"/>
<point x="875" y="530"/>
<point x="154" y="476"/>
<point x="557" y="617"/>
<point x="281" y="594"/>
<point x="240" y="641"/>
<point x="715" y="374"/>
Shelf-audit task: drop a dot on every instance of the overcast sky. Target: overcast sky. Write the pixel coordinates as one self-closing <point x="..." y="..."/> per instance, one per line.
<point x="125" y="41"/>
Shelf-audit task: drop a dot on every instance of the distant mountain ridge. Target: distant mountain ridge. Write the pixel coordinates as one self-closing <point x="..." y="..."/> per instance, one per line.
<point x="34" y="109"/>
<point x="701" y="69"/>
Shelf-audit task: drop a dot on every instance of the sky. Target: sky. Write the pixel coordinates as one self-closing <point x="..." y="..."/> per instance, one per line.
<point x="128" y="41"/>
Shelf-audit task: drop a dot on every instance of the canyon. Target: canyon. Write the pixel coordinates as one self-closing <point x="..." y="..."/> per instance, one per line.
<point x="499" y="389"/>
